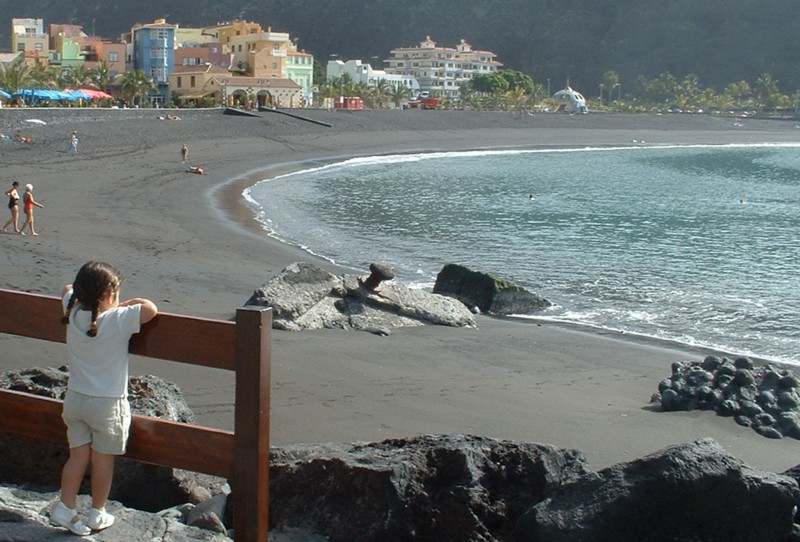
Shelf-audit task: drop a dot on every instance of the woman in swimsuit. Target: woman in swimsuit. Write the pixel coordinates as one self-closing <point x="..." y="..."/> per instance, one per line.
<point x="13" y="205"/>
<point x="28" y="204"/>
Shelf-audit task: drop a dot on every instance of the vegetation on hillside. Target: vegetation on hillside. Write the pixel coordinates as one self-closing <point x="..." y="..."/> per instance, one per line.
<point x="673" y="51"/>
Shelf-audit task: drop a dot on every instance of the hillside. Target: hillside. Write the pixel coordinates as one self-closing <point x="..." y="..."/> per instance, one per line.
<point x="721" y="41"/>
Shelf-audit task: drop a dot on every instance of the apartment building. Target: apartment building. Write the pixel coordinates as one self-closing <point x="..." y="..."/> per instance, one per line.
<point x="440" y="69"/>
<point x="153" y="52"/>
<point x="29" y="38"/>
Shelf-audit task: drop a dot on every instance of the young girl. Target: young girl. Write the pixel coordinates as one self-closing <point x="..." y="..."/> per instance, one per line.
<point x="96" y="409"/>
<point x="28" y="204"/>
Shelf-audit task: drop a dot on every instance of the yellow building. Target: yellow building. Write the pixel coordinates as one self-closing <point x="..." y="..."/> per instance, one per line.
<point x="261" y="54"/>
<point x="28" y="37"/>
<point x="223" y="32"/>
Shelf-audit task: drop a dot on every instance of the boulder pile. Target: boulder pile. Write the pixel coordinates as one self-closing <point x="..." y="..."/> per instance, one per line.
<point x="765" y="398"/>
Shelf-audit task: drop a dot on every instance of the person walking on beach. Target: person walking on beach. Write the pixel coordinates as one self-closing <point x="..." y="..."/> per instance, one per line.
<point x="72" y="146"/>
<point x="96" y="407"/>
<point x="184" y="153"/>
<point x="13" y="205"/>
<point x="28" y="203"/>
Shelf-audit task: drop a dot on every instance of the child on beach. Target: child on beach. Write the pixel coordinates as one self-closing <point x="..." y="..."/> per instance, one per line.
<point x="96" y="408"/>
<point x="185" y="153"/>
<point x="28" y="203"/>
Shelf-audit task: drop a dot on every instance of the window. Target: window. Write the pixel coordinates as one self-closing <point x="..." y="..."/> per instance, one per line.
<point x="113" y="57"/>
<point x="38" y="47"/>
<point x="192" y="81"/>
<point x="20" y="47"/>
<point x="159" y="34"/>
<point x="158" y="52"/>
<point x="180" y="82"/>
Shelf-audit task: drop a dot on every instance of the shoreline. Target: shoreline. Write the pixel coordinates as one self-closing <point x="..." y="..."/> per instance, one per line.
<point x="241" y="211"/>
<point x="190" y="243"/>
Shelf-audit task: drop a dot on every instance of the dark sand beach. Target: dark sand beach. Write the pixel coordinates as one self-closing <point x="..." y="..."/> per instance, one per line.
<point x="190" y="243"/>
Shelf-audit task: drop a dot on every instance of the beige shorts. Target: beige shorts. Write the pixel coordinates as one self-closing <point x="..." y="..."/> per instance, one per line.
<point x="103" y="422"/>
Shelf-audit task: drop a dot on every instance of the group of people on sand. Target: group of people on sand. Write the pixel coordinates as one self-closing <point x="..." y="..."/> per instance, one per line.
<point x="28" y="204"/>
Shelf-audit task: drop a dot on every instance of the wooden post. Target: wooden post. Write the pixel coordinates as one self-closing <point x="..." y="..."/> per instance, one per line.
<point x="251" y="424"/>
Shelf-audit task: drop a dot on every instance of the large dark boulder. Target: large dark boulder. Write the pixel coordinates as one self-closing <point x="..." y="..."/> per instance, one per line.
<point x="429" y="488"/>
<point x="138" y="485"/>
<point x="487" y="293"/>
<point x="689" y="492"/>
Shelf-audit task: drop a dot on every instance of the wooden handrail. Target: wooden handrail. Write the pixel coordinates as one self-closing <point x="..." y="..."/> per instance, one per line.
<point x="243" y="346"/>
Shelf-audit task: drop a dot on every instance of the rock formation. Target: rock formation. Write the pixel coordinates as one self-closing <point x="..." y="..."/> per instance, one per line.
<point x="765" y="398"/>
<point x="305" y="296"/>
<point x="486" y="293"/>
<point x="693" y="491"/>
<point x="138" y="485"/>
<point x="454" y="487"/>
<point x="426" y="488"/>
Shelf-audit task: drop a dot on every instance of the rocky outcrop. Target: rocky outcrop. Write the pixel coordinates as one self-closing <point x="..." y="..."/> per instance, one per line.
<point x="426" y="488"/>
<point x="693" y="491"/>
<point x="24" y="514"/>
<point x="138" y="485"/>
<point x="486" y="293"/>
<point x="765" y="398"/>
<point x="305" y="296"/>
<point x="455" y="487"/>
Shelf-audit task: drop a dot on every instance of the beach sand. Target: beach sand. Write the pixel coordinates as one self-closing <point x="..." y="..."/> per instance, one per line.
<point x="191" y="244"/>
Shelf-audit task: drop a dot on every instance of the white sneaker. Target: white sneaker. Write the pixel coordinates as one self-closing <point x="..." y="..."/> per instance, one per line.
<point x="69" y="519"/>
<point x="99" y="519"/>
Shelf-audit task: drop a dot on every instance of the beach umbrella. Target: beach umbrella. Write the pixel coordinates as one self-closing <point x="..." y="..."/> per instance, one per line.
<point x="77" y="95"/>
<point x="95" y="94"/>
<point x="5" y="95"/>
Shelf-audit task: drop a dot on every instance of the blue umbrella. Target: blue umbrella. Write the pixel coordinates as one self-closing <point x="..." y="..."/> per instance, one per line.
<point x="5" y="95"/>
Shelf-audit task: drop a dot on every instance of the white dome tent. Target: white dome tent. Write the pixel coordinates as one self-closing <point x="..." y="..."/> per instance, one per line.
<point x="570" y="100"/>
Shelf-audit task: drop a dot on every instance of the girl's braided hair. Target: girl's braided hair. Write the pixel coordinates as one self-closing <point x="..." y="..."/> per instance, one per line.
<point x="93" y="283"/>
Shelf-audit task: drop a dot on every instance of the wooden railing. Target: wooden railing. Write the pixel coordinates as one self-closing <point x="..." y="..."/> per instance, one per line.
<point x="243" y="346"/>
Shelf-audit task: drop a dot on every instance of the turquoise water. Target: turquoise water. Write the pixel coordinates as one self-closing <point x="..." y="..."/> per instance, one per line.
<point x="694" y="244"/>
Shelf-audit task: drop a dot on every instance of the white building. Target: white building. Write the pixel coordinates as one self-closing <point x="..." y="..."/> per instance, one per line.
<point x="363" y="73"/>
<point x="441" y="70"/>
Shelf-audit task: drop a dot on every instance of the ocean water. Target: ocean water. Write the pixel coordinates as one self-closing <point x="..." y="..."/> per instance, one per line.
<point x="693" y="244"/>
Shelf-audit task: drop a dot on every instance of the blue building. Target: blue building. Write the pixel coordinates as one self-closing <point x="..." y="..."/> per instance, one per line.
<point x="154" y="54"/>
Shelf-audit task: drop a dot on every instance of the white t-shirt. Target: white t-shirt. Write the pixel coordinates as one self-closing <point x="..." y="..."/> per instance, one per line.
<point x="99" y="365"/>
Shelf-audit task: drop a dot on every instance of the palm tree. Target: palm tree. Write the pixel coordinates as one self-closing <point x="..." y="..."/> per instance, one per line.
<point x="16" y="77"/>
<point x="102" y="77"/>
<point x="137" y="84"/>
<point x="766" y="91"/>
<point x="399" y="93"/>
<point x="739" y="93"/>
<point x="77" y="77"/>
<point x="45" y="76"/>
<point x="383" y="91"/>
<point x="516" y="99"/>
